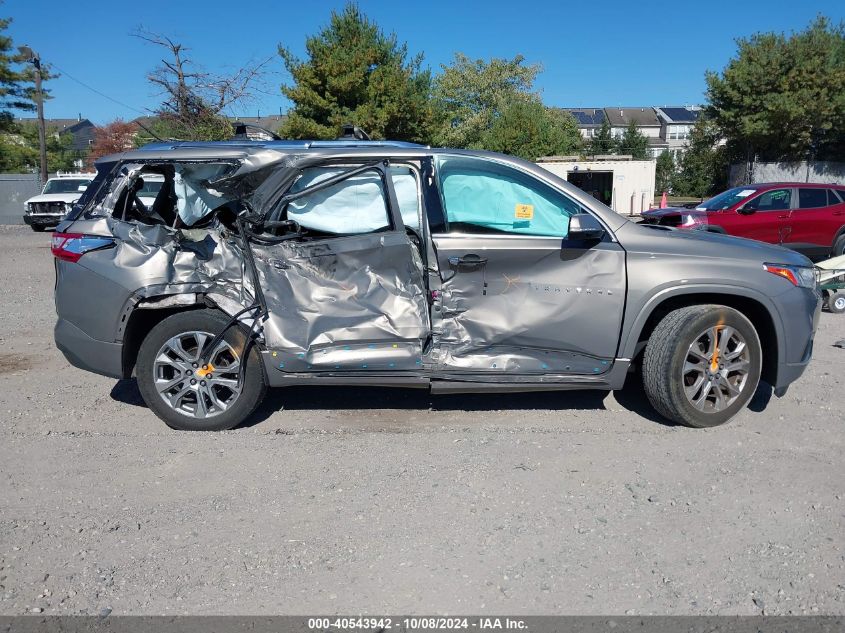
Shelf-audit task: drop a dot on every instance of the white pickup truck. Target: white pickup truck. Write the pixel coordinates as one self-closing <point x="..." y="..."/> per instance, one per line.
<point x="57" y="198"/>
<point x="61" y="193"/>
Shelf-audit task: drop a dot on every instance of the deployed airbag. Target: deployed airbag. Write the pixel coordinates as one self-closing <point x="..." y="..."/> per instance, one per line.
<point x="499" y="201"/>
<point x="194" y="198"/>
<point x="355" y="205"/>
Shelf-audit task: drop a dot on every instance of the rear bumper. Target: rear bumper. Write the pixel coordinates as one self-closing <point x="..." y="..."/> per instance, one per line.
<point x="87" y="353"/>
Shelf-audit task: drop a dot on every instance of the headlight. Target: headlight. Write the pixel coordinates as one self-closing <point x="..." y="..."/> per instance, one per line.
<point x="801" y="276"/>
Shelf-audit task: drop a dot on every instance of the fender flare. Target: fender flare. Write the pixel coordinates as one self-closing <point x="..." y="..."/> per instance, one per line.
<point x="630" y="335"/>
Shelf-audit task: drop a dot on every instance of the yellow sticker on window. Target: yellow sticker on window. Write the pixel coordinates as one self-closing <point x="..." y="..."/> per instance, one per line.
<point x="524" y="212"/>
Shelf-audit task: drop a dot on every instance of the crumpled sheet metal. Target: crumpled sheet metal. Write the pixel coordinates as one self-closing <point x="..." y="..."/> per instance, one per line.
<point x="500" y="322"/>
<point x="165" y="261"/>
<point x="331" y="311"/>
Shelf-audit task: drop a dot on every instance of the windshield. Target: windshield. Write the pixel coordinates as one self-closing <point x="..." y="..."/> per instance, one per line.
<point x="65" y="185"/>
<point x="726" y="199"/>
<point x="150" y="188"/>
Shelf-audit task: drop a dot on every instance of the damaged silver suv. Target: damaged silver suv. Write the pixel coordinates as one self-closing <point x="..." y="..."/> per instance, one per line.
<point x="379" y="263"/>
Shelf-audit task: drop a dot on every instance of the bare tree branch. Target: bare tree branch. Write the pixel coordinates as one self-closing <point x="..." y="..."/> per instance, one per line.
<point x="189" y="91"/>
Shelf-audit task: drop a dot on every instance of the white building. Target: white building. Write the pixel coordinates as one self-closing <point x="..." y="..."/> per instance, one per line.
<point x="625" y="185"/>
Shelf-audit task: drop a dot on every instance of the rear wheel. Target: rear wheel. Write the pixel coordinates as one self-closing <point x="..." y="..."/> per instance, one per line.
<point x="192" y="395"/>
<point x="838" y="247"/>
<point x="702" y="365"/>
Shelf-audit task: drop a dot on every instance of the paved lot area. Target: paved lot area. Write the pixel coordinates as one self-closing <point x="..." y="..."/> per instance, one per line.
<point x="369" y="501"/>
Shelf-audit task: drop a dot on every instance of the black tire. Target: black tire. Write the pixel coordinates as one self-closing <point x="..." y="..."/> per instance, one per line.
<point x="836" y="302"/>
<point x="838" y="247"/>
<point x="666" y="353"/>
<point x="210" y="322"/>
<point x="38" y="228"/>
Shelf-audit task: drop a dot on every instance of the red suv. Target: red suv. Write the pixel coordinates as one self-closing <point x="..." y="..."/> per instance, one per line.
<point x="806" y="217"/>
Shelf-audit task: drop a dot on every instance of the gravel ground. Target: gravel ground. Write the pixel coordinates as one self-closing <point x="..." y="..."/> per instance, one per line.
<point x="369" y="500"/>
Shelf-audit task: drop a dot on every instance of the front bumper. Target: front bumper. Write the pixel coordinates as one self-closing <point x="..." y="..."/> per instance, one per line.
<point x="42" y="219"/>
<point x="800" y="310"/>
<point x="87" y="353"/>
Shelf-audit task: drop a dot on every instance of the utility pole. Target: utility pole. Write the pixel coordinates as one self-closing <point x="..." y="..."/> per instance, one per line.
<point x="35" y="59"/>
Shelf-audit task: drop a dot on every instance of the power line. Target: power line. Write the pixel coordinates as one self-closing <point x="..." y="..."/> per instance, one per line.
<point x="94" y="90"/>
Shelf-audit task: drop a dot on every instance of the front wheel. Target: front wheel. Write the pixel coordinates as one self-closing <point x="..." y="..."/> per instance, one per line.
<point x="702" y="365"/>
<point x="192" y="395"/>
<point x="836" y="302"/>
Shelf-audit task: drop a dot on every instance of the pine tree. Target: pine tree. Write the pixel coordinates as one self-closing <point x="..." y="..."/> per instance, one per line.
<point x="356" y="74"/>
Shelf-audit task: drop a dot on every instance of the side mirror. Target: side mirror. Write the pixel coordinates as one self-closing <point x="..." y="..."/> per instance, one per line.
<point x="746" y="210"/>
<point x="584" y="226"/>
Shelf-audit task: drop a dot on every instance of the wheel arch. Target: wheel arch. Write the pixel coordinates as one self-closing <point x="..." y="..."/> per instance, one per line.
<point x="754" y="308"/>
<point x="839" y="234"/>
<point x="138" y="324"/>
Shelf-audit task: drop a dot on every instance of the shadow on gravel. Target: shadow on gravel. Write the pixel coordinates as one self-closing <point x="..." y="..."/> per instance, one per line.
<point x="631" y="398"/>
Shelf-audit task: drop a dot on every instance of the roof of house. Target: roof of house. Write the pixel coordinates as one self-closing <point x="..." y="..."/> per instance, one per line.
<point x="679" y="114"/>
<point x="587" y="117"/>
<point x="81" y="129"/>
<point x="272" y="123"/>
<point x="622" y="117"/>
<point x="62" y="125"/>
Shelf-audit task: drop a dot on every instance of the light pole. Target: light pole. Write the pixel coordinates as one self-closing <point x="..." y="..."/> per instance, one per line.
<point x="35" y="59"/>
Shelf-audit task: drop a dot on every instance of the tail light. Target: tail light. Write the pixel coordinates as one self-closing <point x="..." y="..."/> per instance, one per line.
<point x="70" y="247"/>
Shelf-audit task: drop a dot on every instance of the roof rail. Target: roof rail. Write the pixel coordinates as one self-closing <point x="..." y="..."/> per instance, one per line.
<point x="284" y="144"/>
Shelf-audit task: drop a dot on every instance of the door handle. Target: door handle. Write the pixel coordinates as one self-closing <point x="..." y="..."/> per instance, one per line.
<point x="785" y="216"/>
<point x="839" y="213"/>
<point x="467" y="260"/>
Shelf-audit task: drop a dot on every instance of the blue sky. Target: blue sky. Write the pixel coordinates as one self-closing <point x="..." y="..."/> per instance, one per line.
<point x="594" y="54"/>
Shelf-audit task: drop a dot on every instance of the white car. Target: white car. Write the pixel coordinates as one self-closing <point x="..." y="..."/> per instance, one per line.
<point x="57" y="198"/>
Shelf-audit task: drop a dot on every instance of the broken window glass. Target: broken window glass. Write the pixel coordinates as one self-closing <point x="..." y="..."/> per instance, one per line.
<point x="196" y="196"/>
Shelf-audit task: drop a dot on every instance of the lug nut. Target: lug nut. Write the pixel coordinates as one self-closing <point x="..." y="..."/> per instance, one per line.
<point x="195" y="365"/>
<point x="193" y="382"/>
<point x="202" y="383"/>
<point x="190" y="372"/>
<point x="205" y="366"/>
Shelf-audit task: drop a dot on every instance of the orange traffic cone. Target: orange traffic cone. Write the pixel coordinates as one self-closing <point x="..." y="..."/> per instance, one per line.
<point x="663" y="201"/>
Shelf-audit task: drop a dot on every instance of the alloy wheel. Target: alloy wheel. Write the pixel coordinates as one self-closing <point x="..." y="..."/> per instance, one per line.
<point x="716" y="369"/>
<point x="193" y="388"/>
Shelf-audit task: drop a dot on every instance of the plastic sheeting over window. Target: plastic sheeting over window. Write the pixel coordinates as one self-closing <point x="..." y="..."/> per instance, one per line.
<point x="486" y="194"/>
<point x="407" y="193"/>
<point x="355" y="205"/>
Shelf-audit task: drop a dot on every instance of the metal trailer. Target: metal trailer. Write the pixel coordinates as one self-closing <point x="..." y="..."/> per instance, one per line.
<point x="831" y="274"/>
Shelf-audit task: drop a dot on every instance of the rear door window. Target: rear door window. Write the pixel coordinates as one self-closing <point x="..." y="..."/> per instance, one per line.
<point x="812" y="198"/>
